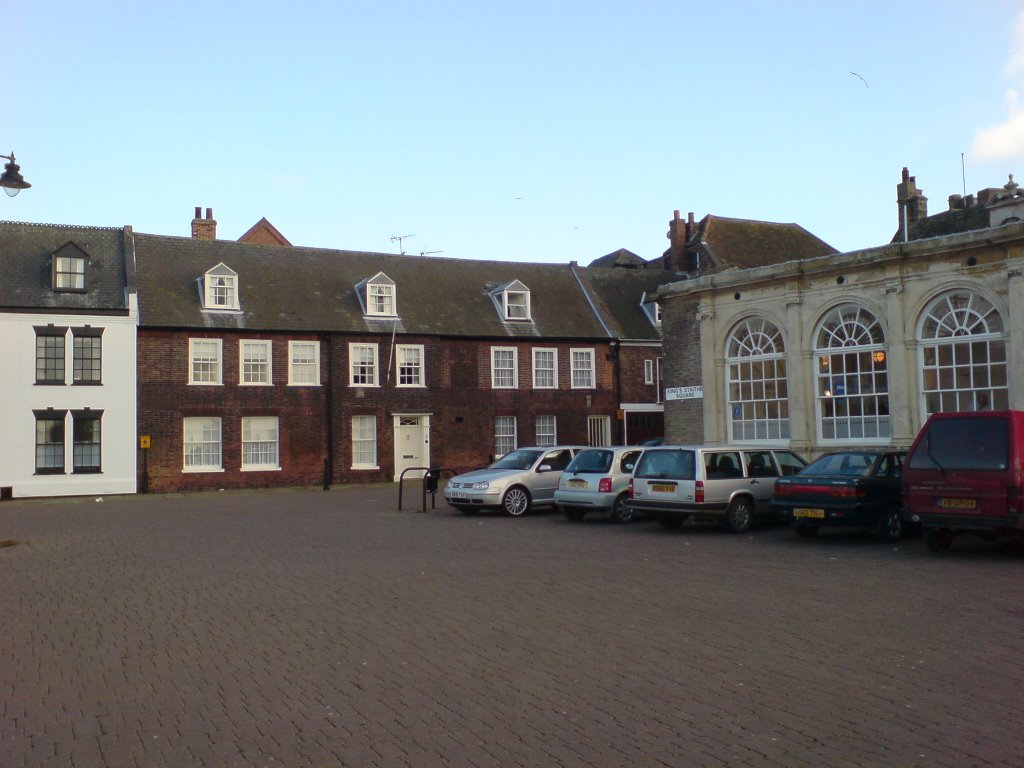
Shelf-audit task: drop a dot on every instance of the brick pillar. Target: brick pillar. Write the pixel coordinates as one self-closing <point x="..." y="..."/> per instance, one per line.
<point x="204" y="229"/>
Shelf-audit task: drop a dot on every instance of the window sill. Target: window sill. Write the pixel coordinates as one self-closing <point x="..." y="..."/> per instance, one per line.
<point x="303" y="384"/>
<point x="87" y="384"/>
<point x="364" y="467"/>
<point x="255" y="383"/>
<point x="206" y="384"/>
<point x="87" y="471"/>
<point x="50" y="383"/>
<point x="201" y="470"/>
<point x="267" y="468"/>
<point x="363" y="386"/>
<point x="411" y="386"/>
<point x="59" y="471"/>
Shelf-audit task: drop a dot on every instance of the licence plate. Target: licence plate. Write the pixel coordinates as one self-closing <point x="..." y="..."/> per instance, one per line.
<point x="458" y="494"/>
<point x="958" y="503"/>
<point x="804" y="512"/>
<point x="577" y="483"/>
<point x="662" y="488"/>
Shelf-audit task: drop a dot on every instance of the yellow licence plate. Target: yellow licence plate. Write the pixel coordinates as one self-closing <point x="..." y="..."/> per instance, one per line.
<point x="803" y="512"/>
<point x="958" y="503"/>
<point x="662" y="488"/>
<point x="577" y="483"/>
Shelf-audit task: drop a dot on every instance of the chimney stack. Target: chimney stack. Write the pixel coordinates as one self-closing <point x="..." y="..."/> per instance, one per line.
<point x="678" y="236"/>
<point x="204" y="229"/>
<point x="912" y="204"/>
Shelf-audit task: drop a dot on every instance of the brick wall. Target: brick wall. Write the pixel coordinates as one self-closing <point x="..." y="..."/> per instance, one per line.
<point x="684" y="419"/>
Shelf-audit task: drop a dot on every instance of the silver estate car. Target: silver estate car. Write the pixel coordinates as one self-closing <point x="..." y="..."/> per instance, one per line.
<point x="730" y="484"/>
<point x="517" y="482"/>
<point x="597" y="481"/>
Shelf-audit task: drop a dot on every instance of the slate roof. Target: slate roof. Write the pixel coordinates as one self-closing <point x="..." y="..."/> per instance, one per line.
<point x="620" y="258"/>
<point x="312" y="290"/>
<point x="618" y="293"/>
<point x="946" y="223"/>
<point x="747" y="243"/>
<point x="26" y="281"/>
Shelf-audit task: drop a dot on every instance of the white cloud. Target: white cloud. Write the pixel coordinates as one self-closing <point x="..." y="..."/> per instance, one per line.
<point x="1006" y="139"/>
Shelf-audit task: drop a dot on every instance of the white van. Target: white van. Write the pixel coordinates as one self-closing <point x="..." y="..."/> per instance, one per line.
<point x="727" y="483"/>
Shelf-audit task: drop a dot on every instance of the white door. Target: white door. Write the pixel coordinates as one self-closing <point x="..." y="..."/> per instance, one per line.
<point x="412" y="444"/>
<point x="599" y="430"/>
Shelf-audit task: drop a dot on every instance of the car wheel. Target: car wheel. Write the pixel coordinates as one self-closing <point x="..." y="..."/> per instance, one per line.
<point x="806" y="530"/>
<point x="620" y="512"/>
<point x="739" y="516"/>
<point x="573" y="513"/>
<point x="516" y="501"/>
<point x="938" y="540"/>
<point x="671" y="522"/>
<point x="890" y="525"/>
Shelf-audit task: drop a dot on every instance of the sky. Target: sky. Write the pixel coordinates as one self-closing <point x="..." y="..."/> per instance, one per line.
<point x="542" y="131"/>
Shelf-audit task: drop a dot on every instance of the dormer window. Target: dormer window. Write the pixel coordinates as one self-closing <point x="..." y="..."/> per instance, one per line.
<point x="69" y="268"/>
<point x="513" y="300"/>
<point x="652" y="309"/>
<point x="378" y="296"/>
<point x="220" y="288"/>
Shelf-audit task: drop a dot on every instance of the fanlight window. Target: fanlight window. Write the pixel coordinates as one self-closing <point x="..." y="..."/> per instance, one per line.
<point x="962" y="354"/>
<point x="852" y="379"/>
<point x="757" y="397"/>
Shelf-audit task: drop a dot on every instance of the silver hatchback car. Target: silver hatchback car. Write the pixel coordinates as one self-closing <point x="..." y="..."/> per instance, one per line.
<point x="597" y="481"/>
<point x="517" y="482"/>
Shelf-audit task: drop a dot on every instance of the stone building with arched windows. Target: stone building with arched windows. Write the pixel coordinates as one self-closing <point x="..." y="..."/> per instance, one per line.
<point x="854" y="348"/>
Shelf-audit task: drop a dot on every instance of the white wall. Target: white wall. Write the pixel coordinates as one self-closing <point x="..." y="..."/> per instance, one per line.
<point x="20" y="395"/>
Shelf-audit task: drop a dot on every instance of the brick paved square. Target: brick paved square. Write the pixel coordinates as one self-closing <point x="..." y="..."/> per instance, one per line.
<point x="303" y="628"/>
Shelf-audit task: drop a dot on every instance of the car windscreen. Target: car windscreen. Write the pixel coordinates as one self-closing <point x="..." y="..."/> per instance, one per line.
<point x="979" y="444"/>
<point x="591" y="461"/>
<point x="674" y="464"/>
<point x="521" y="459"/>
<point x="849" y="464"/>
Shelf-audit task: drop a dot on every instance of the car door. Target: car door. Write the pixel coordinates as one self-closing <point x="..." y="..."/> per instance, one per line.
<point x="545" y="476"/>
<point x="761" y="474"/>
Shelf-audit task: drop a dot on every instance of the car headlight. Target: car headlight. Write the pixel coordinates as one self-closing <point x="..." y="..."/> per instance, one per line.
<point x="483" y="485"/>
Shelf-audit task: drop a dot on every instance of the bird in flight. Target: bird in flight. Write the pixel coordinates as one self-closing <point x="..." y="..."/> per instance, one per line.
<point x="861" y="78"/>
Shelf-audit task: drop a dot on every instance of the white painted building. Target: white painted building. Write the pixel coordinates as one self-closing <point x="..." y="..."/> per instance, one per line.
<point x="68" y="319"/>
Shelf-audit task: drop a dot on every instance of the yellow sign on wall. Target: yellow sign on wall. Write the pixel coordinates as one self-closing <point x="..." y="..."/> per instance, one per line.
<point x="144" y="442"/>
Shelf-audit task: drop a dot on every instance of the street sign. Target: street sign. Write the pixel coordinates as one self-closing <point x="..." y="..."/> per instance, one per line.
<point x="684" y="393"/>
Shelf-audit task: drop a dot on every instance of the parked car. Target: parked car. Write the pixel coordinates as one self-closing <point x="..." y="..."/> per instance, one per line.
<point x="597" y="481"/>
<point x="519" y="481"/>
<point x="858" y="488"/>
<point x="651" y="442"/>
<point x="965" y="474"/>
<point x="724" y="483"/>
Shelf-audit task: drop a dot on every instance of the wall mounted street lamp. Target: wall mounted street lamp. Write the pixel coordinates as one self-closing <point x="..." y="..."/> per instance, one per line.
<point x="11" y="179"/>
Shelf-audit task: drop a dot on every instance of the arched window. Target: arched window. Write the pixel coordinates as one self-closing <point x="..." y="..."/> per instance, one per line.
<point x="852" y="382"/>
<point x="758" y="405"/>
<point x="962" y="354"/>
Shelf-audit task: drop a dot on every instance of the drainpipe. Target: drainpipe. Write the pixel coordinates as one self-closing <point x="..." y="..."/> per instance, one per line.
<point x="616" y="345"/>
<point x="325" y="342"/>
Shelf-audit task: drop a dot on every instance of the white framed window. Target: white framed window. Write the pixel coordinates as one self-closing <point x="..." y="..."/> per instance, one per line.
<point x="513" y="301"/>
<point x="648" y="371"/>
<point x="599" y="430"/>
<point x="962" y="354"/>
<point x="255" y="362"/>
<point x="582" y="368"/>
<point x="504" y="435"/>
<point x="362" y="365"/>
<point x="202" y="444"/>
<point x="364" y="442"/>
<point x="259" y="443"/>
<point x="69" y="273"/>
<point x="220" y="288"/>
<point x="304" y="363"/>
<point x="757" y="399"/>
<point x="204" y="356"/>
<point x="546" y="431"/>
<point x="380" y="299"/>
<point x="545" y="368"/>
<point x="504" y="368"/>
<point x="410" y="365"/>
<point x="517" y="305"/>
<point x="852" y="399"/>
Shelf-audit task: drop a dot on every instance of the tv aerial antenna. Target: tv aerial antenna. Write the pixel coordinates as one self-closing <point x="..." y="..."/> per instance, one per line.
<point x="398" y="239"/>
<point x="429" y="253"/>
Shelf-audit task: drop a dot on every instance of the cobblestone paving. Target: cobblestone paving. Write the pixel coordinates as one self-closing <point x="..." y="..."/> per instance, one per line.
<point x="309" y="628"/>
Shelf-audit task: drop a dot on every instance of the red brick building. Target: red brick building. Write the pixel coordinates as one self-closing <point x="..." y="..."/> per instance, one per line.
<point x="268" y="365"/>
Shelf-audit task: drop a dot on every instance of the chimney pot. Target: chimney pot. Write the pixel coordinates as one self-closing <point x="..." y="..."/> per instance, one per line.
<point x="675" y="215"/>
<point x="209" y="213"/>
<point x="199" y="212"/>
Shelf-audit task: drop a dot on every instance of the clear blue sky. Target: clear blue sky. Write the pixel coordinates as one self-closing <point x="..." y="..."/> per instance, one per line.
<point x="539" y="131"/>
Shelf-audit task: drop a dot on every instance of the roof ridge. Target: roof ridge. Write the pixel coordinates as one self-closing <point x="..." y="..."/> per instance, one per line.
<point x="60" y="226"/>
